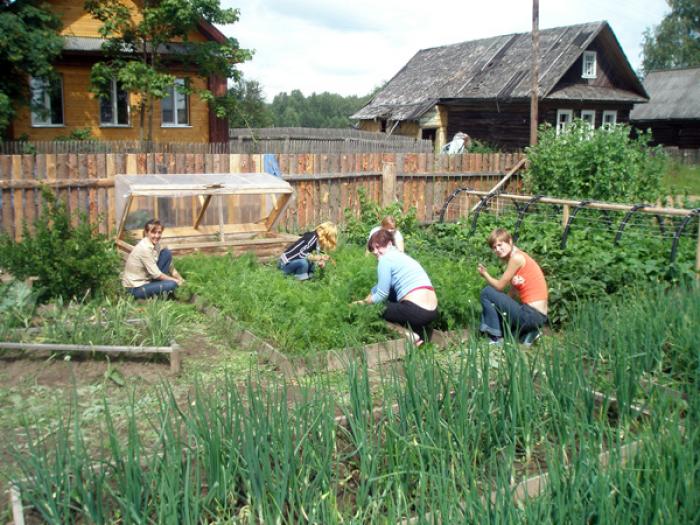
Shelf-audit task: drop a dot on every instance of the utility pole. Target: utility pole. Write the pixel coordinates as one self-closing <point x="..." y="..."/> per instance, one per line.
<point x="535" y="72"/>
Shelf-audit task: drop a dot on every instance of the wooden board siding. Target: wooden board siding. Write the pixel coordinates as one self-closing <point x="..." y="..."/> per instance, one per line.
<point x="78" y="22"/>
<point x="81" y="110"/>
<point x="679" y="133"/>
<point x="325" y="185"/>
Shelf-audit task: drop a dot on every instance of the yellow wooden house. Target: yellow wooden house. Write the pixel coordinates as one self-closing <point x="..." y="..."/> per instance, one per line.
<point x="70" y="106"/>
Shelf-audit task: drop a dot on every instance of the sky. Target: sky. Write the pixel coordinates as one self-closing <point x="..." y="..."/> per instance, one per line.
<point x="351" y="47"/>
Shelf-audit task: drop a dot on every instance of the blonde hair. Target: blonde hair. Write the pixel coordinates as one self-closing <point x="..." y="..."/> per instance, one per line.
<point x="388" y="223"/>
<point x="327" y="235"/>
<point x="499" y="235"/>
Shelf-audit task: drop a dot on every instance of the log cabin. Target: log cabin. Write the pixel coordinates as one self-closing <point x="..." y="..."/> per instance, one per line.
<point x="482" y="87"/>
<point x="673" y="113"/>
<point x="68" y="105"/>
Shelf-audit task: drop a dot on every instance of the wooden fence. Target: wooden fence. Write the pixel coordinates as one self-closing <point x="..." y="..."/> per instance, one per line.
<point x="684" y="156"/>
<point x="325" y="185"/>
<point x="322" y="140"/>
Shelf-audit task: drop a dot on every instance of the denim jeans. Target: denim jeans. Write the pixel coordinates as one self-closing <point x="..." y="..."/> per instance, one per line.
<point x="157" y="286"/>
<point x="499" y="310"/>
<point x="299" y="268"/>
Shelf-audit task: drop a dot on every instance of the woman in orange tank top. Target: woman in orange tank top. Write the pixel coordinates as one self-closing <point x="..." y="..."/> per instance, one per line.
<point x="498" y="309"/>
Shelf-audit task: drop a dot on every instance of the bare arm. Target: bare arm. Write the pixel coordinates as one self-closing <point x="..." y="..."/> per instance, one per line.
<point x="514" y="263"/>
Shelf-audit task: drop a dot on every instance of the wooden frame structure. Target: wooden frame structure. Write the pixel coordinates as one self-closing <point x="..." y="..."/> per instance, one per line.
<point x="214" y="212"/>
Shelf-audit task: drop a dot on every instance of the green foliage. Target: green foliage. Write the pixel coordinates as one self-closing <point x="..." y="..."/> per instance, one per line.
<point x="30" y="42"/>
<point x="248" y="109"/>
<point x="358" y="226"/>
<point x="478" y="146"/>
<point x="675" y="42"/>
<point x="78" y="134"/>
<point x="603" y="164"/>
<point x="70" y="261"/>
<point x="318" y="110"/>
<point x="681" y="179"/>
<point x="17" y="304"/>
<point x="138" y="50"/>
<point x="589" y="268"/>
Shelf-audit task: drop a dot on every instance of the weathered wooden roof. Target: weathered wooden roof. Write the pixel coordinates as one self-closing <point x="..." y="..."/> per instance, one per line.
<point x="498" y="68"/>
<point x="675" y="94"/>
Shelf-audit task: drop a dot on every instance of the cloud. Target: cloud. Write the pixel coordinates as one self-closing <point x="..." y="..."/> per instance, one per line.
<point x="350" y="47"/>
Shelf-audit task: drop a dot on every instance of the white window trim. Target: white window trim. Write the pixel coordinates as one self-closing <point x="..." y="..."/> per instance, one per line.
<point x="560" y="112"/>
<point x="35" y="116"/>
<point x="607" y="113"/>
<point x="113" y="90"/>
<point x="590" y="112"/>
<point x="589" y="74"/>
<point x="173" y="94"/>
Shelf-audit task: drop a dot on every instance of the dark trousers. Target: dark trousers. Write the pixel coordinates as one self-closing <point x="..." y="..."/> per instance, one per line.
<point x="499" y="310"/>
<point x="410" y="314"/>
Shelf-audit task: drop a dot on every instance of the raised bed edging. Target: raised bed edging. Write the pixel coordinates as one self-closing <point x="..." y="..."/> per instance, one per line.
<point x="174" y="350"/>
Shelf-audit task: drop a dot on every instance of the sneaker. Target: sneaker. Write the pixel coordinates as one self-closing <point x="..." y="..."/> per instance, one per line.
<point x="531" y="337"/>
<point x="414" y="337"/>
<point x="498" y="341"/>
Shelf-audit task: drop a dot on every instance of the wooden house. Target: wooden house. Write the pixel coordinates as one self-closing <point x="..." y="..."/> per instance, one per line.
<point x="482" y="87"/>
<point x="70" y="106"/>
<point x="673" y="112"/>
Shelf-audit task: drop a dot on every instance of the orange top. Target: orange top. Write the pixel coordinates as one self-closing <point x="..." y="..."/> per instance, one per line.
<point x="529" y="281"/>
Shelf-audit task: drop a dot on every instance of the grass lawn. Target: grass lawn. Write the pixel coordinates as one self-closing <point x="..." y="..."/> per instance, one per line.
<point x="681" y="179"/>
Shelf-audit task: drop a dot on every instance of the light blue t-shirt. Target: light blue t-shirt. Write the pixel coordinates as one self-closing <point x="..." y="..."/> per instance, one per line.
<point x="398" y="271"/>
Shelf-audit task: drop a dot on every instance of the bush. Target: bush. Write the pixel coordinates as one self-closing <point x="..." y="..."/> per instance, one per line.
<point x="70" y="261"/>
<point x="603" y="164"/>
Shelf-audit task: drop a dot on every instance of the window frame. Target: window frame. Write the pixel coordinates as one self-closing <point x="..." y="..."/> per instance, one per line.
<point x="114" y="100"/>
<point x="37" y="121"/>
<point x="607" y="113"/>
<point x="560" y="112"/>
<point x="173" y="95"/>
<point x="590" y="58"/>
<point x="590" y="112"/>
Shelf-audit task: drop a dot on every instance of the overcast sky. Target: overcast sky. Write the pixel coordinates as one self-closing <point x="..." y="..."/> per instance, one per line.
<point x="352" y="46"/>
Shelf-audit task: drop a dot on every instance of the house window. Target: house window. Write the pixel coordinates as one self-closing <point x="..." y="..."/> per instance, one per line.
<point x="564" y="118"/>
<point x="609" y="118"/>
<point x="588" y="116"/>
<point x="47" y="102"/>
<point x="589" y="64"/>
<point x="175" y="107"/>
<point x="114" y="108"/>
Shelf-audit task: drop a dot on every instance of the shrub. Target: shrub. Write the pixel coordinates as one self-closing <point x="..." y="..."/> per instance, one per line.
<point x="603" y="164"/>
<point x="70" y="261"/>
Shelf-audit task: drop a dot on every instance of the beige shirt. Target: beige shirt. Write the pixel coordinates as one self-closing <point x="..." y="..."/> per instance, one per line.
<point x="142" y="264"/>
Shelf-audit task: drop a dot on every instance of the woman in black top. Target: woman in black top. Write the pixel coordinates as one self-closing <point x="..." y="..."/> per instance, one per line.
<point x="298" y="259"/>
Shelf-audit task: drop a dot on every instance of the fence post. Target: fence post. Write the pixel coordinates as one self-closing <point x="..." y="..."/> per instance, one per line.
<point x="388" y="183"/>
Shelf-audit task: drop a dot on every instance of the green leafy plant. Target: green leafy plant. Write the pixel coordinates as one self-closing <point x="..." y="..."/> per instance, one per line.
<point x="69" y="260"/>
<point x="602" y="164"/>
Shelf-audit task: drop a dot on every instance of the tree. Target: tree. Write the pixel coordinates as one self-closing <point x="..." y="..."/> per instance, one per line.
<point x="248" y="109"/>
<point x="30" y="42"/>
<point x="675" y="42"/>
<point x="319" y="110"/>
<point x="142" y="47"/>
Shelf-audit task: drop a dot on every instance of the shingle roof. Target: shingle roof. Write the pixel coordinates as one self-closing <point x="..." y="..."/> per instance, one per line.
<point x="494" y="68"/>
<point x="675" y="94"/>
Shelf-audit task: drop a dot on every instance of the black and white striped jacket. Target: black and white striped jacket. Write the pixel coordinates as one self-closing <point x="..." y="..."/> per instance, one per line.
<point x="301" y="248"/>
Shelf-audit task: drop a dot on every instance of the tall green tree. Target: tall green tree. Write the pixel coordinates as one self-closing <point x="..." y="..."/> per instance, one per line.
<point x="29" y="42"/>
<point x="318" y="110"/>
<point x="248" y="109"/>
<point x="141" y="51"/>
<point x="675" y="42"/>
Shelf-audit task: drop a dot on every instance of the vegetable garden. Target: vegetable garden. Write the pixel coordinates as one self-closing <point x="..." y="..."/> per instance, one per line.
<point x="598" y="422"/>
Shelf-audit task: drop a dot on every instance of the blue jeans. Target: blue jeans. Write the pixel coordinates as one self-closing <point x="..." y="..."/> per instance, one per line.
<point x="498" y="309"/>
<point x="299" y="268"/>
<point x="157" y="287"/>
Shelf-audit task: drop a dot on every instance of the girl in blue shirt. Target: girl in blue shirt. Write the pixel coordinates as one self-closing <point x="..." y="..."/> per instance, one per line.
<point x="403" y="283"/>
